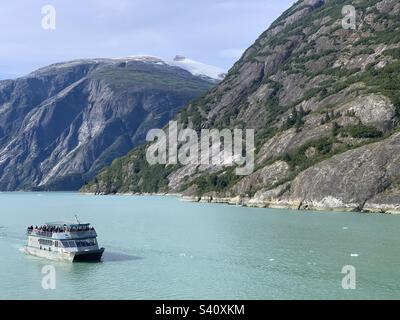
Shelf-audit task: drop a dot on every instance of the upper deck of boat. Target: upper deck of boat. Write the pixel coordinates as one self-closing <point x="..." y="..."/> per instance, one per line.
<point x="62" y="224"/>
<point x="63" y="230"/>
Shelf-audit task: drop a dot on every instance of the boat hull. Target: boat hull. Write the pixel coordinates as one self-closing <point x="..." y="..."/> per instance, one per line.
<point x="79" y="256"/>
<point x="92" y="256"/>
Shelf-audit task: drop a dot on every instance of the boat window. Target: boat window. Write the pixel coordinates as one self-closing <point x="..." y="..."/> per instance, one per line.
<point x="85" y="242"/>
<point x="45" y="242"/>
<point x="80" y="243"/>
<point x="65" y="244"/>
<point x="72" y="244"/>
<point x="77" y="243"/>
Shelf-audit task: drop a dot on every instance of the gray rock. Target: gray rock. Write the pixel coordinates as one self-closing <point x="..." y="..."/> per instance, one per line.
<point x="350" y="179"/>
<point x="373" y="109"/>
<point x="263" y="178"/>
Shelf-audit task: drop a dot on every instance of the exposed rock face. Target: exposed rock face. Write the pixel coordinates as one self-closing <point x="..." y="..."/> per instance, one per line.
<point x="373" y="109"/>
<point x="290" y="140"/>
<point x="350" y="179"/>
<point x="265" y="177"/>
<point x="61" y="124"/>
<point x="325" y="104"/>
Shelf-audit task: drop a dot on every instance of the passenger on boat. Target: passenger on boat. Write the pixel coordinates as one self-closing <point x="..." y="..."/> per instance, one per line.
<point x="57" y="229"/>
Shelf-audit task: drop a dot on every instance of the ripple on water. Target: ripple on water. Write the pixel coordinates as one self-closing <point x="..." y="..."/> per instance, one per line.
<point x="117" y="256"/>
<point x="2" y="231"/>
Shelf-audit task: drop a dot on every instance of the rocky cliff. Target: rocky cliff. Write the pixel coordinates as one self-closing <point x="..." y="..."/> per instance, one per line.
<point x="59" y="125"/>
<point x="324" y="102"/>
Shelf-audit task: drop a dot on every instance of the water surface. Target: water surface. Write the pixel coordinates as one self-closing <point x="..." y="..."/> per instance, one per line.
<point x="164" y="248"/>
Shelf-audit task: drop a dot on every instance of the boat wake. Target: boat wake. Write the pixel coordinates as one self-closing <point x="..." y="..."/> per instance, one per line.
<point x="115" y="256"/>
<point x="10" y="235"/>
<point x="2" y="232"/>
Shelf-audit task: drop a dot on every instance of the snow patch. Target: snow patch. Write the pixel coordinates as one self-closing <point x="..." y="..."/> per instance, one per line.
<point x="198" y="68"/>
<point x="194" y="67"/>
<point x="149" y="59"/>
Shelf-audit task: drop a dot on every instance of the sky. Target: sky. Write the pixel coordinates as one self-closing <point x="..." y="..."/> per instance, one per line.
<point x="215" y="32"/>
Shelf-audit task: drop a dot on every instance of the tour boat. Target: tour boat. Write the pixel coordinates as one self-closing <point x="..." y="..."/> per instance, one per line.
<point x="74" y="242"/>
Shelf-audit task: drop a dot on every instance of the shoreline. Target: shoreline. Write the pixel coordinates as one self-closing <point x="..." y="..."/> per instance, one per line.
<point x="252" y="203"/>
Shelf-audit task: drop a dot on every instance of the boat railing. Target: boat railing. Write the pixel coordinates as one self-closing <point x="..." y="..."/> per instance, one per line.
<point x="41" y="233"/>
<point x="76" y="234"/>
<point x="63" y="234"/>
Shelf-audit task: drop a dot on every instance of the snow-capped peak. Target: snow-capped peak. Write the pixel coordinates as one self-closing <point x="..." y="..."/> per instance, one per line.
<point x="140" y="58"/>
<point x="198" y="68"/>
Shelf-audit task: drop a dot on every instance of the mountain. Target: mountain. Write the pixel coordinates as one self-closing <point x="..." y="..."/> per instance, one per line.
<point x="324" y="102"/>
<point x="60" y="124"/>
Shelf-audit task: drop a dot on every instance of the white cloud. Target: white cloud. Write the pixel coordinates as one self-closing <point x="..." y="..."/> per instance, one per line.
<point x="214" y="32"/>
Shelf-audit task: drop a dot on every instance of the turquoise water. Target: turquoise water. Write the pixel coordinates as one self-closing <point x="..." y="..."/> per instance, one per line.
<point x="164" y="248"/>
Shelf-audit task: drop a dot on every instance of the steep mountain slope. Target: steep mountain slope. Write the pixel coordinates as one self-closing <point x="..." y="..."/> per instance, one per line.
<point x="61" y="124"/>
<point x="324" y="102"/>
